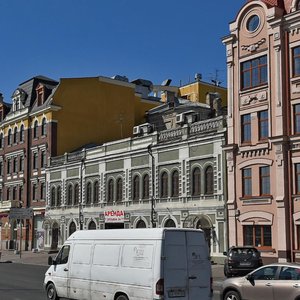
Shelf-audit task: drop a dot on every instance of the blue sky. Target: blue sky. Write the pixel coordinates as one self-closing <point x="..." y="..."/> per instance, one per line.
<point x="154" y="40"/>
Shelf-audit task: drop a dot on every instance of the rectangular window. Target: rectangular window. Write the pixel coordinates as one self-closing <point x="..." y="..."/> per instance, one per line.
<point x="8" y="166"/>
<point x="43" y="159"/>
<point x="296" y="61"/>
<point x="247" y="182"/>
<point x="35" y="161"/>
<point x="254" y="72"/>
<point x="264" y="173"/>
<point x="246" y="128"/>
<point x="257" y="236"/>
<point x="263" y="120"/>
<point x="297" y="119"/>
<point x="297" y="177"/>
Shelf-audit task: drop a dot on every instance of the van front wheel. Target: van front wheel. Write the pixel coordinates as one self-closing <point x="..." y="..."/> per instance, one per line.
<point x="51" y="292"/>
<point x="122" y="297"/>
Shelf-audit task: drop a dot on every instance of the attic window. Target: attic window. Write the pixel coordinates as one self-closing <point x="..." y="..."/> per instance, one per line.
<point x="40" y="92"/>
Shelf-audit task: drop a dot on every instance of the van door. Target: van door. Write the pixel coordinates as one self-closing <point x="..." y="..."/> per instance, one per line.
<point x="187" y="270"/>
<point x="60" y="271"/>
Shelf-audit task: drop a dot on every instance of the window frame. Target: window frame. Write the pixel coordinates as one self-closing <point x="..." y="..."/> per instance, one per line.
<point x="209" y="180"/>
<point x="255" y="237"/>
<point x="175" y="184"/>
<point x="164" y="185"/>
<point x="254" y="72"/>
<point x="263" y="125"/>
<point x="263" y="177"/>
<point x="146" y="186"/>
<point x="136" y="188"/>
<point x="246" y="132"/>
<point x="296" y="60"/>
<point x="246" y="179"/>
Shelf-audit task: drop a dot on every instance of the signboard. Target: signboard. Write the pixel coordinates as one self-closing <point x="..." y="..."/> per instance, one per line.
<point x="114" y="216"/>
<point x="21" y="213"/>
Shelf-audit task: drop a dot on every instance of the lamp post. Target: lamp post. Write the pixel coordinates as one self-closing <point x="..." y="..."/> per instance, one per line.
<point x="153" y="221"/>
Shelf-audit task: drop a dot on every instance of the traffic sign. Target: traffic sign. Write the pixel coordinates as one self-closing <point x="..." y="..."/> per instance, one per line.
<point x="21" y="213"/>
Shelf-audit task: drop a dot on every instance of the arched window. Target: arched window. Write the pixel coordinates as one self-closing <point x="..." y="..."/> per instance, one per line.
<point x="15" y="135"/>
<point x="136" y="188"/>
<point x="96" y="192"/>
<point x="72" y="228"/>
<point x="110" y="192"/>
<point x="58" y="193"/>
<point x="119" y="189"/>
<point x="34" y="191"/>
<point x="44" y="127"/>
<point x="14" y="193"/>
<point x="76" y="194"/>
<point x="196" y="182"/>
<point x="170" y="223"/>
<point x="22" y="133"/>
<point x="164" y="185"/>
<point x="88" y="199"/>
<point x="146" y="186"/>
<point x="70" y="194"/>
<point x="52" y="200"/>
<point x="209" y="180"/>
<point x="140" y="224"/>
<point x="175" y="184"/>
<point x="35" y="129"/>
<point x="43" y="190"/>
<point x="9" y="137"/>
<point x="92" y="225"/>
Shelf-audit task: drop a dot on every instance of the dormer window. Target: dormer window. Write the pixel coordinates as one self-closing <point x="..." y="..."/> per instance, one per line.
<point x="40" y="94"/>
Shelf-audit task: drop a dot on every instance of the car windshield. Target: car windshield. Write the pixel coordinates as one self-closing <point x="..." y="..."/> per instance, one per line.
<point x="244" y="252"/>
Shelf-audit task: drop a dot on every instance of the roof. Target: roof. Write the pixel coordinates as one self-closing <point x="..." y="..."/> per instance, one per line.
<point x="121" y="234"/>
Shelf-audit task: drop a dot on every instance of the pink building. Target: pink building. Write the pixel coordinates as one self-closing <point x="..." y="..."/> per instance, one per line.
<point x="263" y="150"/>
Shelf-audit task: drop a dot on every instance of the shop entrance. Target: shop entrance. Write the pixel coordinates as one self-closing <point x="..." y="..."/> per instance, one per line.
<point x="114" y="225"/>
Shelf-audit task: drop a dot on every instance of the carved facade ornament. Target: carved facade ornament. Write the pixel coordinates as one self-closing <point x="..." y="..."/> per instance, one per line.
<point x="295" y="31"/>
<point x="276" y="36"/>
<point x="253" y="47"/>
<point x="253" y="98"/>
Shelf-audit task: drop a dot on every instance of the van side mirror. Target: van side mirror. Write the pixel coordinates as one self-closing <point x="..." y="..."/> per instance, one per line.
<point x="51" y="261"/>
<point x="225" y="253"/>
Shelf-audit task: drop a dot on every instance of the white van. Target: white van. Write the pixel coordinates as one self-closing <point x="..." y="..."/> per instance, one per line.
<point x="131" y="264"/>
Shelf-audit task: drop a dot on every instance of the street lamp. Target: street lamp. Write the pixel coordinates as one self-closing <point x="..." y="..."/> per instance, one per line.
<point x="153" y="221"/>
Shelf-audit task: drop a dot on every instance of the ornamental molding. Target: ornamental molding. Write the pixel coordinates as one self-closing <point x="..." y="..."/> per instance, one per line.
<point x="253" y="98"/>
<point x="255" y="46"/>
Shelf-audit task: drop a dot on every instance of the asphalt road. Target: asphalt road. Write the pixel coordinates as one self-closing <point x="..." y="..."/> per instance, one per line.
<point x="25" y="282"/>
<point x="22" y="282"/>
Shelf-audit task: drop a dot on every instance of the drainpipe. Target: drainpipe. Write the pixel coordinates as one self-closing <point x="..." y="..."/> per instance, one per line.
<point x="289" y="132"/>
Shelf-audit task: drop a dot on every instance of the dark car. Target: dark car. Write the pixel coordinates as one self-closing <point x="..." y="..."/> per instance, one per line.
<point x="241" y="260"/>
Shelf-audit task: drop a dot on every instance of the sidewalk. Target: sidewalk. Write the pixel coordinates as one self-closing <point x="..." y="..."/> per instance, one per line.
<point x="41" y="258"/>
<point x="26" y="257"/>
